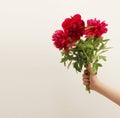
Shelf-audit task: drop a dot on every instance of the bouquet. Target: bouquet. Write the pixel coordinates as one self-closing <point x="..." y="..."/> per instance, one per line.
<point x="81" y="44"/>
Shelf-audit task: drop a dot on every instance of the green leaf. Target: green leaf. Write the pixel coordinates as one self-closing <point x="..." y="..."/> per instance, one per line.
<point x="76" y="66"/>
<point x="89" y="39"/>
<point x="106" y="40"/>
<point x="105" y="50"/>
<point x="97" y="41"/>
<point x="89" y="46"/>
<point x="95" y="67"/>
<point x="64" y="60"/>
<point x="102" y="57"/>
<point x="62" y="52"/>
<point x="69" y="64"/>
<point x="88" y="27"/>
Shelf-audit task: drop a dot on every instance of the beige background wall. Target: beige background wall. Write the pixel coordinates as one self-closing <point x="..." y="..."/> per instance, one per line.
<point x="33" y="84"/>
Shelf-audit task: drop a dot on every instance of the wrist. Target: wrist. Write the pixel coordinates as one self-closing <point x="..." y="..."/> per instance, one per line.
<point x="95" y="83"/>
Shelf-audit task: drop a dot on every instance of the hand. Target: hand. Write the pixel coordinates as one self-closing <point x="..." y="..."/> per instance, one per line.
<point x="90" y="79"/>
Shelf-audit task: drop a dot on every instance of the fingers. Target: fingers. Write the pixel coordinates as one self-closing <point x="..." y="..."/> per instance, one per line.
<point x="86" y="72"/>
<point x="86" y="80"/>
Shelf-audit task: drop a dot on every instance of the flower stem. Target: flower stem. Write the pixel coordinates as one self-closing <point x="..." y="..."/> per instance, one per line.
<point x="86" y="56"/>
<point x="88" y="86"/>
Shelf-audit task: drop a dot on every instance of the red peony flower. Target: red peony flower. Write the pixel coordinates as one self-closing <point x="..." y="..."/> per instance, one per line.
<point x="60" y="40"/>
<point x="74" y="27"/>
<point x="96" y="29"/>
<point x="77" y="47"/>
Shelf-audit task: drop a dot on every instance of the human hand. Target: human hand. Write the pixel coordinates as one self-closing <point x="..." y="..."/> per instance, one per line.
<point x="90" y="79"/>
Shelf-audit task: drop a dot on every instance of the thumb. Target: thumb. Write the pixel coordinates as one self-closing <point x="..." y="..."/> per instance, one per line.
<point x="90" y="68"/>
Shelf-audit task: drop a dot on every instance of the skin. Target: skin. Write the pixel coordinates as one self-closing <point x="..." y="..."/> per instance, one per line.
<point x="100" y="87"/>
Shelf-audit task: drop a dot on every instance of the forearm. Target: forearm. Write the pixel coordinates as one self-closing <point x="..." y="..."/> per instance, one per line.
<point x="108" y="92"/>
